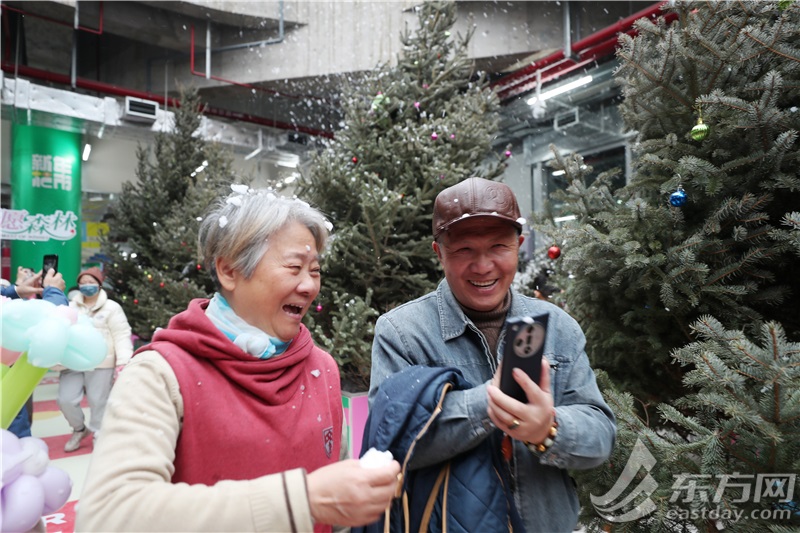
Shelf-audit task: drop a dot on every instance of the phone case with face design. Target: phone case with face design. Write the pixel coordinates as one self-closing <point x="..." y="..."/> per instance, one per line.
<point x="524" y="347"/>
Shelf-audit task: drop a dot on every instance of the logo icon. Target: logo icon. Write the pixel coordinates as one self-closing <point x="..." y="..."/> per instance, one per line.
<point x="616" y="501"/>
<point x="327" y="440"/>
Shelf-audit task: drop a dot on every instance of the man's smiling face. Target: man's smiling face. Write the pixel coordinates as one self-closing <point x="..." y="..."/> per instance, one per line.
<point x="479" y="256"/>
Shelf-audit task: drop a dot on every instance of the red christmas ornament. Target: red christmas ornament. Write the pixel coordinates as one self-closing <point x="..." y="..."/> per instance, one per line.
<point x="434" y="136"/>
<point x="136" y="301"/>
<point x="554" y="252"/>
<point x="199" y="267"/>
<point x="161" y="284"/>
<point x="354" y="160"/>
<point x="319" y="308"/>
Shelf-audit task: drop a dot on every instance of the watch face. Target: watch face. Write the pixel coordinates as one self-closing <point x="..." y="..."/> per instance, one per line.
<point x="528" y="339"/>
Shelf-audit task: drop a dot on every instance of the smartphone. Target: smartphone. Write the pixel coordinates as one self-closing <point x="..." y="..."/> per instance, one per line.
<point x="523" y="349"/>
<point x="50" y="261"/>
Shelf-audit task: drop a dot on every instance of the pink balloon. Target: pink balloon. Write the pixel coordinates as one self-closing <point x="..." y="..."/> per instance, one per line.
<point x="57" y="488"/>
<point x="8" y="357"/>
<point x="22" y="504"/>
<point x="66" y="312"/>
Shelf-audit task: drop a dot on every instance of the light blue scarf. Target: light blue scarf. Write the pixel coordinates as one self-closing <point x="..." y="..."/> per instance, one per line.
<point x="249" y="338"/>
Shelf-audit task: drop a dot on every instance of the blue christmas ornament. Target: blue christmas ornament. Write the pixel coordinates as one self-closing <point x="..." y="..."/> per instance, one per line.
<point x="678" y="198"/>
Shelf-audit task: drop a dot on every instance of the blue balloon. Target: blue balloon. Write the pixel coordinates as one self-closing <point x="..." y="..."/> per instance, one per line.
<point x="48" y="340"/>
<point x="17" y="317"/>
<point x="85" y="349"/>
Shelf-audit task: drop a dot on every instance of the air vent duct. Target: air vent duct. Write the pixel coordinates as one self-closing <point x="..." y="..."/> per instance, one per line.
<point x="140" y="110"/>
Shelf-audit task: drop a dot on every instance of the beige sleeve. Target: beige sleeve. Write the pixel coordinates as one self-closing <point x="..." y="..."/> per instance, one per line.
<point x="129" y="488"/>
<point x="120" y="333"/>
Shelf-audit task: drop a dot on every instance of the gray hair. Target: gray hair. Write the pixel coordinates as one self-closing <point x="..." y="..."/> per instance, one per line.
<point x="240" y="225"/>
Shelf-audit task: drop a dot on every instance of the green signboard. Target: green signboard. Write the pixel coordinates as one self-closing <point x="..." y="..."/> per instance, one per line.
<point x="45" y="200"/>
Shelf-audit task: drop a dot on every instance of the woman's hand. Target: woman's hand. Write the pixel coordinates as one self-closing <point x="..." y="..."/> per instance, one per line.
<point x="347" y="494"/>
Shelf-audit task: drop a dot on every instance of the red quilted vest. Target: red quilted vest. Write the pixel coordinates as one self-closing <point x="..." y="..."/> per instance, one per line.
<point x="244" y="417"/>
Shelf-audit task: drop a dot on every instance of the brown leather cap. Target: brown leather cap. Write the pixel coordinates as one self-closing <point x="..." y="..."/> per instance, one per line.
<point x="475" y="197"/>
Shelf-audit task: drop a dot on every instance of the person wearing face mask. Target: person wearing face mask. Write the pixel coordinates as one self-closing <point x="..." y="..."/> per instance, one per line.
<point x="108" y="317"/>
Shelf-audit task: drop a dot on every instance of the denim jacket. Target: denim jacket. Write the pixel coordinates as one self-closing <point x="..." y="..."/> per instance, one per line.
<point x="434" y="331"/>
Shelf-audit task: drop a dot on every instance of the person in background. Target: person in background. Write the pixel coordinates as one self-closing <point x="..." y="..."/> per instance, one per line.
<point x="565" y="423"/>
<point x="26" y="286"/>
<point x="231" y="419"/>
<point x="108" y="317"/>
<point x="52" y="291"/>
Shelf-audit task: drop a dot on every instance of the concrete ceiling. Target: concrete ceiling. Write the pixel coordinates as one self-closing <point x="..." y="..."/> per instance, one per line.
<point x="291" y="81"/>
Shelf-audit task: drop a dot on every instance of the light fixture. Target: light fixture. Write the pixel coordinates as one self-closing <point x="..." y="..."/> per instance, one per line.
<point x="566" y="218"/>
<point x="580" y="82"/>
<point x="87" y="149"/>
<point x="258" y="149"/>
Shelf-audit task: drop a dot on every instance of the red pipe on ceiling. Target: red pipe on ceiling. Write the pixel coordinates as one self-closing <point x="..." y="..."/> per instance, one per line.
<point x="107" y="88"/>
<point x="595" y="46"/>
<point x="113" y="89"/>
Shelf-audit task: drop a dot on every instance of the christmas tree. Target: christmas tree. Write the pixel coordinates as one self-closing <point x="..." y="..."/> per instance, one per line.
<point x="153" y="234"/>
<point x="708" y="223"/>
<point x="409" y="131"/>
<point x="684" y="279"/>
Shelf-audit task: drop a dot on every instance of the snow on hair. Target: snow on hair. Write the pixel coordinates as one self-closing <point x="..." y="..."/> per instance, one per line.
<point x="240" y="229"/>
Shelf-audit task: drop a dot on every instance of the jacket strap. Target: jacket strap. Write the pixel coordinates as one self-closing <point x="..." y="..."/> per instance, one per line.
<point x="399" y="492"/>
<point x="436" y="412"/>
<point x="444" y="476"/>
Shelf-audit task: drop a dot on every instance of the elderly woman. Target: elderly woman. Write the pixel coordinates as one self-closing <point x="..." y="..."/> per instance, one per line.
<point x="231" y="419"/>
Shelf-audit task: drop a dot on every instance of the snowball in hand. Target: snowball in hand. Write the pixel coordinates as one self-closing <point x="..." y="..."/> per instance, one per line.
<point x="375" y="459"/>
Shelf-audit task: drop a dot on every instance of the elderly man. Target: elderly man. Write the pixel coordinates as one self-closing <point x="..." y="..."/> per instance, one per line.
<point x="565" y="423"/>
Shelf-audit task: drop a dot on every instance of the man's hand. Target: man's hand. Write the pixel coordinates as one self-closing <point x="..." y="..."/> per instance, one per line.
<point x="528" y="422"/>
<point x="347" y="494"/>
<point x="28" y="286"/>
<point x="54" y="279"/>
